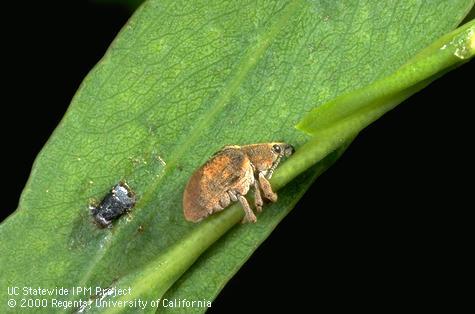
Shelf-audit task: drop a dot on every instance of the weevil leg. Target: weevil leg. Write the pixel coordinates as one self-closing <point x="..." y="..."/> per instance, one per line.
<point x="225" y="200"/>
<point x="249" y="214"/>
<point x="232" y="196"/>
<point x="257" y="197"/>
<point x="249" y="217"/>
<point x="266" y="188"/>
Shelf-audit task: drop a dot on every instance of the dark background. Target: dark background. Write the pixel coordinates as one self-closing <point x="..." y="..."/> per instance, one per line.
<point x="390" y="221"/>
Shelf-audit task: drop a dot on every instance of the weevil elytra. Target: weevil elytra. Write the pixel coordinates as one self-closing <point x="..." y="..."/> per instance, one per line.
<point x="118" y="201"/>
<point x="228" y="176"/>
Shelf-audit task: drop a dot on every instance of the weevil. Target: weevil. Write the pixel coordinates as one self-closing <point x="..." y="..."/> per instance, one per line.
<point x="228" y="176"/>
<point x="118" y="201"/>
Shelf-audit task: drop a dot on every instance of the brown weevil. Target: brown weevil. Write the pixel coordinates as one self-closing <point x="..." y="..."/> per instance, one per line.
<point x="117" y="202"/>
<point x="228" y="176"/>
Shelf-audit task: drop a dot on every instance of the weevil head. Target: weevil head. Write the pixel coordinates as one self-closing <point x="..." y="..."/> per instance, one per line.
<point x="282" y="150"/>
<point x="267" y="156"/>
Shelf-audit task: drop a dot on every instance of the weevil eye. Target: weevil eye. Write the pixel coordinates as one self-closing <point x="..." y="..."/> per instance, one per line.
<point x="276" y="149"/>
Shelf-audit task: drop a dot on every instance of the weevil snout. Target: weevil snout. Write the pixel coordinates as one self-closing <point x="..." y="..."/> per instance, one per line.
<point x="288" y="150"/>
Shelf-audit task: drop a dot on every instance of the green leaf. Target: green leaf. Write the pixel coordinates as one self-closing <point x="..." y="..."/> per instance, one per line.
<point x="182" y="79"/>
<point x="444" y="54"/>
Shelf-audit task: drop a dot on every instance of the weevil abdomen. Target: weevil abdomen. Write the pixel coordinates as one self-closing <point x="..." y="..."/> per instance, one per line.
<point x="207" y="189"/>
